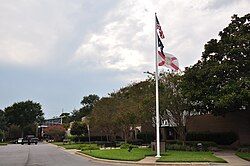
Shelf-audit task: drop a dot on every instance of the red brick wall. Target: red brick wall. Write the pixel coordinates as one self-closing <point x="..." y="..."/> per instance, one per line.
<point x="238" y="122"/>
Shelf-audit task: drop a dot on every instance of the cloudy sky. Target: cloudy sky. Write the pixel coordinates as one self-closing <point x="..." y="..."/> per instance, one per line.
<point x="57" y="51"/>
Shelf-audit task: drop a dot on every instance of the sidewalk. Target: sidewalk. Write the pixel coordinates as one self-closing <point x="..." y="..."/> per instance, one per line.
<point x="232" y="159"/>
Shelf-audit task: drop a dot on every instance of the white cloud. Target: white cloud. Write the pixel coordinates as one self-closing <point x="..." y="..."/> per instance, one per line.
<point x="127" y="38"/>
<point x="122" y="43"/>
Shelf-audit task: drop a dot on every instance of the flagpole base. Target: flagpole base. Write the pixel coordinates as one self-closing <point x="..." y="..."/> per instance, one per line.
<point x="158" y="156"/>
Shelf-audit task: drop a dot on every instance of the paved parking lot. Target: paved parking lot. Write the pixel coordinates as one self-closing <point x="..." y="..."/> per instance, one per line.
<point x="40" y="155"/>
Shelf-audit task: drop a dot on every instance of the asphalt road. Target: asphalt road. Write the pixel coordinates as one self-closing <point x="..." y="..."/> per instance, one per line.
<point x="41" y="155"/>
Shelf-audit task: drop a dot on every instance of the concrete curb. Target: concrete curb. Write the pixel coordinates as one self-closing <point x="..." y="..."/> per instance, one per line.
<point x="140" y="163"/>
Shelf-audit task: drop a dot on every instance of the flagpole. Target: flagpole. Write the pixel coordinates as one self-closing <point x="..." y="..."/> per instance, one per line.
<point x="157" y="96"/>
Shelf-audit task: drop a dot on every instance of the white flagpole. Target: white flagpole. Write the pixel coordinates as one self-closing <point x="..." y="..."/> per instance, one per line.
<point x="157" y="95"/>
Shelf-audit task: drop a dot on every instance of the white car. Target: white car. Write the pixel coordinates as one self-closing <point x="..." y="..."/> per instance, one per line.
<point x="20" y="140"/>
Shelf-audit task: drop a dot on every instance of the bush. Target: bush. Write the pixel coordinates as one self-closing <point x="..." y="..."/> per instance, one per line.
<point x="57" y="132"/>
<point x="127" y="146"/>
<point x="205" y="144"/>
<point x="189" y="145"/>
<point x="90" y="147"/>
<point x="146" y="137"/>
<point x="180" y="147"/>
<point x="244" y="149"/>
<point x="72" y="138"/>
<point x="86" y="138"/>
<point x="225" y="138"/>
<point x="136" y="142"/>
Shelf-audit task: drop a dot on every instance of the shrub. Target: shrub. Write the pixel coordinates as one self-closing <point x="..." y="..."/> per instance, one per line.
<point x="146" y="137"/>
<point x="72" y="138"/>
<point x="244" y="149"/>
<point x="90" y="147"/>
<point x="86" y="138"/>
<point x="56" y="131"/>
<point x="180" y="147"/>
<point x="225" y="138"/>
<point x="127" y="146"/>
<point x="189" y="145"/>
<point x="136" y="142"/>
<point x="205" y="144"/>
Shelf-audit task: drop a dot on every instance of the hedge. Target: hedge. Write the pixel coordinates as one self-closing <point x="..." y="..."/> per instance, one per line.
<point x="146" y="137"/>
<point x="223" y="138"/>
<point x="189" y="145"/>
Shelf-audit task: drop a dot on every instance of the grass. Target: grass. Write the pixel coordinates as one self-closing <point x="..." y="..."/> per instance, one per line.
<point x="243" y="155"/>
<point x="187" y="156"/>
<point x="78" y="146"/>
<point x="3" y="143"/>
<point x="120" y="154"/>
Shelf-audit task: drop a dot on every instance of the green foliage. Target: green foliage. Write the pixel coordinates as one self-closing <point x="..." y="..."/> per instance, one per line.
<point x="14" y="132"/>
<point x="24" y="113"/>
<point x="90" y="147"/>
<point x="225" y="138"/>
<point x="128" y="146"/>
<point x="2" y="135"/>
<point x="219" y="82"/>
<point x="29" y="129"/>
<point x="245" y="149"/>
<point x="72" y="138"/>
<point x="3" y="121"/>
<point x="180" y="147"/>
<point x="189" y="145"/>
<point x="146" y="137"/>
<point x="66" y="119"/>
<point x="88" y="104"/>
<point x="78" y="128"/>
<point x="79" y="146"/>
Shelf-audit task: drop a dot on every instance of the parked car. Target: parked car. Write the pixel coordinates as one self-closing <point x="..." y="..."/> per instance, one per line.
<point x="29" y="139"/>
<point x="19" y="141"/>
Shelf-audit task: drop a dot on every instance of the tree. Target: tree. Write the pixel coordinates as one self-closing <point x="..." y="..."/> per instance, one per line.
<point x="57" y="132"/>
<point x="102" y="117"/>
<point x="173" y="104"/>
<point x="78" y="128"/>
<point x="14" y="132"/>
<point x="23" y="114"/>
<point x="3" y="122"/>
<point x="66" y="119"/>
<point x="88" y="104"/>
<point x="2" y="136"/>
<point x="219" y="82"/>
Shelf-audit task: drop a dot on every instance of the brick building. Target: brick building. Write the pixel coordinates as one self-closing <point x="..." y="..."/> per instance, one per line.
<point x="237" y="122"/>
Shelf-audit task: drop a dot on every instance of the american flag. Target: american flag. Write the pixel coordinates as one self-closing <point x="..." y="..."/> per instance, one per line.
<point x="160" y="44"/>
<point x="158" y="26"/>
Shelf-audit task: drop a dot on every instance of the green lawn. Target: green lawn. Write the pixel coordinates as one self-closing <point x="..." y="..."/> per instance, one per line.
<point x="187" y="156"/>
<point x="243" y="155"/>
<point x="120" y="154"/>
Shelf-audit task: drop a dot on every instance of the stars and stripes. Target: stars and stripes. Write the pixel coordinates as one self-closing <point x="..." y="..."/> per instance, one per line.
<point x="158" y="26"/>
